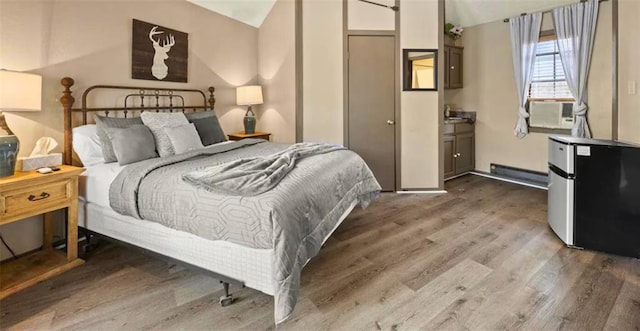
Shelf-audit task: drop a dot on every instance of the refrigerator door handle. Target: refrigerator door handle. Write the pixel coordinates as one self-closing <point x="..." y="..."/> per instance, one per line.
<point x="560" y="172"/>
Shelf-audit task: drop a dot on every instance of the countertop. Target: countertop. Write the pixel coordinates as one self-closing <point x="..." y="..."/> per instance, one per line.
<point x="456" y="120"/>
<point x="459" y="116"/>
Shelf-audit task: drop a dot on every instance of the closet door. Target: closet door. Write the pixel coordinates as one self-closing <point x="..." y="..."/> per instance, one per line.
<point x="371" y="104"/>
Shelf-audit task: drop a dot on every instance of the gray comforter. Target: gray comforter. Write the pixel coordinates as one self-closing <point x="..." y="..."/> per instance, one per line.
<point x="255" y="175"/>
<point x="293" y="218"/>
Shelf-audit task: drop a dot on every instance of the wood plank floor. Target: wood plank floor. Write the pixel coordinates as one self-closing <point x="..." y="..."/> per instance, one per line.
<point x="478" y="258"/>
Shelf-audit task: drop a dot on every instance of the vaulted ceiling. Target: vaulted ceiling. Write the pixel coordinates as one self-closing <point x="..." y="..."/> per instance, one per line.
<point x="459" y="12"/>
<point x="252" y="12"/>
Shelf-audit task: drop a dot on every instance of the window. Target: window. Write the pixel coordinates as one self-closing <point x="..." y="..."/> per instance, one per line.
<point x="550" y="100"/>
<point x="548" y="81"/>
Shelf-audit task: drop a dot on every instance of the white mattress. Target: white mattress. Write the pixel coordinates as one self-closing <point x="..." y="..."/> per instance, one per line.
<point x="252" y="266"/>
<point x="95" y="181"/>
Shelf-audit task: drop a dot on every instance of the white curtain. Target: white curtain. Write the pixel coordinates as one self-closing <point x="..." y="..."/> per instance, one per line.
<point x="524" y="40"/>
<point x="575" y="27"/>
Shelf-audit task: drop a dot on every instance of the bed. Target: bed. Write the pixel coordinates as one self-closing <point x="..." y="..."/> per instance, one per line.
<point x="261" y="241"/>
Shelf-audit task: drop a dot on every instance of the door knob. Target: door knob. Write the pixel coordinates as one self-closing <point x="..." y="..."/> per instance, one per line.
<point x="390" y="122"/>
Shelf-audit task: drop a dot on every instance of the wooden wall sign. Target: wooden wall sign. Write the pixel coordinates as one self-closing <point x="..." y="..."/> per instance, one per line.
<point x="159" y="53"/>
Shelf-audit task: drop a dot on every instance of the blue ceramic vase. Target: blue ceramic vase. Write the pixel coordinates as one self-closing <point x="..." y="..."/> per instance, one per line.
<point x="249" y="122"/>
<point x="9" y="146"/>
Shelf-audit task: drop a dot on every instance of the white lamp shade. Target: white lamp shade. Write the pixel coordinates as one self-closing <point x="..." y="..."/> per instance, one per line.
<point x="249" y="95"/>
<point x="20" y="91"/>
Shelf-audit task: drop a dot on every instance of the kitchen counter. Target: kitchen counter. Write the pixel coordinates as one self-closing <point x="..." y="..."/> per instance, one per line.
<point x="456" y="120"/>
<point x="459" y="116"/>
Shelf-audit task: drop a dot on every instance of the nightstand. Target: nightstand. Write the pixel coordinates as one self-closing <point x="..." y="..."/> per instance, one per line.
<point x="242" y="135"/>
<point x="27" y="194"/>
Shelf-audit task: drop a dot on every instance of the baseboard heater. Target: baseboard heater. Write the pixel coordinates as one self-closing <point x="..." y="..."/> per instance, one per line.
<point x="524" y="176"/>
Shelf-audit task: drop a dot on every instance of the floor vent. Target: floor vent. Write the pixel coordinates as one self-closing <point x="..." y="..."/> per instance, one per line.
<point x="520" y="175"/>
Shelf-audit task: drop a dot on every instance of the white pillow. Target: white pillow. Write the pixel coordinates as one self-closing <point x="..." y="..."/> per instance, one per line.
<point x="87" y="145"/>
<point x="156" y="122"/>
<point x="184" y="138"/>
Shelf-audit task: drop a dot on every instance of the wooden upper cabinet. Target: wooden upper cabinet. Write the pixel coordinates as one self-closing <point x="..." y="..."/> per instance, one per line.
<point x="446" y="67"/>
<point x="453" y="67"/>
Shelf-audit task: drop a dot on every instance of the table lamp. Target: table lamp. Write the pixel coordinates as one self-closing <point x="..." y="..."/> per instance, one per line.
<point x="248" y="96"/>
<point x="18" y="92"/>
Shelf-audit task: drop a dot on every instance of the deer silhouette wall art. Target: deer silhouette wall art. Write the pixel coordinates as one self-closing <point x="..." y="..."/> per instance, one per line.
<point x="159" y="53"/>
<point x="161" y="47"/>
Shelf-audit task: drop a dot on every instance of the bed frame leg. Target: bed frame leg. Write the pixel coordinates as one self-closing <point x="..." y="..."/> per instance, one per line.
<point x="227" y="298"/>
<point x="88" y="246"/>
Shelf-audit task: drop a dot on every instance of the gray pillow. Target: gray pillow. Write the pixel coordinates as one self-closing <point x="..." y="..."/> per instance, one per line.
<point x="103" y="123"/>
<point x="209" y="130"/>
<point x="132" y="144"/>
<point x="200" y="114"/>
<point x="184" y="138"/>
<point x="208" y="127"/>
<point x="157" y="122"/>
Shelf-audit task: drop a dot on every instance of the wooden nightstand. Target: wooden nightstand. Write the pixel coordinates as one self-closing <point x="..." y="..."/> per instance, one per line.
<point x="242" y="135"/>
<point x="30" y="193"/>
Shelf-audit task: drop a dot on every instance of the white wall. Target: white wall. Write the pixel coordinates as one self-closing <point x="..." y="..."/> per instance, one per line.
<point x="323" y="79"/>
<point x="421" y="118"/>
<point x="629" y="70"/>
<point x="90" y="41"/>
<point x="322" y="71"/>
<point x="489" y="89"/>
<point x="276" y="66"/>
<point x="365" y="16"/>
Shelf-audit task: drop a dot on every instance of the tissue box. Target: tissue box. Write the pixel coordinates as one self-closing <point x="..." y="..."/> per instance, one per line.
<point x="35" y="162"/>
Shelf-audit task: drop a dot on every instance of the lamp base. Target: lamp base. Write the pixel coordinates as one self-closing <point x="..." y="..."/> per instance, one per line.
<point x="249" y="122"/>
<point x="3" y="124"/>
<point x="249" y="125"/>
<point x="9" y="147"/>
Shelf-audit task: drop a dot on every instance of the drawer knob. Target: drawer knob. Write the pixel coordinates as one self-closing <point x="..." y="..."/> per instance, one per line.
<point x="42" y="196"/>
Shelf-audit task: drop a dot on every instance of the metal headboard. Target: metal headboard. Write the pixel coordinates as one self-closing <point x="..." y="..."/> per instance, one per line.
<point x="158" y="99"/>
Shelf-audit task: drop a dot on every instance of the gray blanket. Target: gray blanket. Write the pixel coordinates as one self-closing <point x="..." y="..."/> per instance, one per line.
<point x="255" y="175"/>
<point x="293" y="218"/>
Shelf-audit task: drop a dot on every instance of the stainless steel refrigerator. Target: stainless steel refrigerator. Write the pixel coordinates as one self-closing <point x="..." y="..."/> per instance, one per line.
<point x="594" y="194"/>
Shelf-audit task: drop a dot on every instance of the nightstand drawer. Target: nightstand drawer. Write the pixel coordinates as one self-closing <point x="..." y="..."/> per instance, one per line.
<point x="255" y="135"/>
<point x="30" y="198"/>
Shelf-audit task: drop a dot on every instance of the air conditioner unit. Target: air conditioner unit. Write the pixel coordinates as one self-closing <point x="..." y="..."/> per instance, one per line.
<point x="551" y="114"/>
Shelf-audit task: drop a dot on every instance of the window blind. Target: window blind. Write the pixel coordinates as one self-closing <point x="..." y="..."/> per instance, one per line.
<point x="548" y="81"/>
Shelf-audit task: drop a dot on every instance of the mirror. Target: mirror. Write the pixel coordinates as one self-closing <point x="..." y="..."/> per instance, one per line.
<point x="420" y="69"/>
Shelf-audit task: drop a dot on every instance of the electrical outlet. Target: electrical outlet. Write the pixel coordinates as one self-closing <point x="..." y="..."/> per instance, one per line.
<point x="631" y="87"/>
